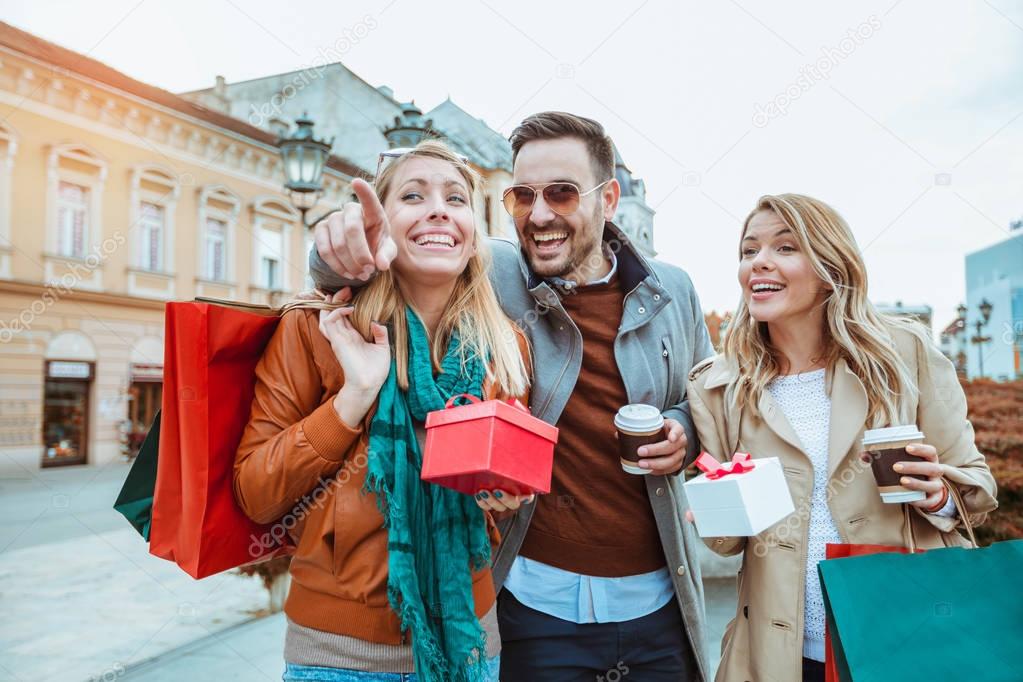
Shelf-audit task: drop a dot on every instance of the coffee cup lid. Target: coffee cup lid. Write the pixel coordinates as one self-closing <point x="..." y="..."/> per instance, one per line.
<point x="892" y="434"/>
<point x="638" y="417"/>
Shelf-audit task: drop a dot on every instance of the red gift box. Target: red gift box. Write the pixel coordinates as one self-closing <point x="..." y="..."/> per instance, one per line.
<point x="488" y="445"/>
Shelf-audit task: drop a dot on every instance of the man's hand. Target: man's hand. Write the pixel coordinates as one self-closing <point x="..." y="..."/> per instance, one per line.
<point x="665" y="457"/>
<point x="356" y="241"/>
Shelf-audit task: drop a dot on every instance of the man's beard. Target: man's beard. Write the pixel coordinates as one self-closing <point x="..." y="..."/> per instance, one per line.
<point x="583" y="245"/>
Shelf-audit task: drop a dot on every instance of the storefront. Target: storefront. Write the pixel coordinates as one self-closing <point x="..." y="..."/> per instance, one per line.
<point x="145" y="394"/>
<point x="66" y="391"/>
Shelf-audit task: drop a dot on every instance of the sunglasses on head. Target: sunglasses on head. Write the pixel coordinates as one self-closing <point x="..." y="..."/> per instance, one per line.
<point x="386" y="157"/>
<point x="562" y="197"/>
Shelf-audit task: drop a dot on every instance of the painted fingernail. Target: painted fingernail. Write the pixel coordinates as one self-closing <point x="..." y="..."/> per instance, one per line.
<point x="484" y="496"/>
<point x="497" y="494"/>
<point x="478" y="496"/>
<point x="898" y="467"/>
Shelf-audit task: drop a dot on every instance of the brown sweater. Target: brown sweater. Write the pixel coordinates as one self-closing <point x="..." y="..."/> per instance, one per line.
<point x="597" y="520"/>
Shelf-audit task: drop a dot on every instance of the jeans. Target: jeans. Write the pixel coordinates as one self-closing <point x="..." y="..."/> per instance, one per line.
<point x="813" y="671"/>
<point x="307" y="673"/>
<point x="537" y="647"/>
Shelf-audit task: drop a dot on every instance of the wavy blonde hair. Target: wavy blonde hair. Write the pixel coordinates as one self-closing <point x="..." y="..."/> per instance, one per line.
<point x="472" y="311"/>
<point x="854" y="330"/>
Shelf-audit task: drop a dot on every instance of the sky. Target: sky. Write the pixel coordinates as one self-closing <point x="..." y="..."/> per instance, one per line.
<point x="905" y="115"/>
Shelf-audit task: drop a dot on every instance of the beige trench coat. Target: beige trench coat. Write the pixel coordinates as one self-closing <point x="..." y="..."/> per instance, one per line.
<point x="764" y="640"/>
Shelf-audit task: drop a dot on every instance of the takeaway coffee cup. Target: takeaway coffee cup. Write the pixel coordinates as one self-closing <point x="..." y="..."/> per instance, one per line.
<point x="886" y="447"/>
<point x="637" y="425"/>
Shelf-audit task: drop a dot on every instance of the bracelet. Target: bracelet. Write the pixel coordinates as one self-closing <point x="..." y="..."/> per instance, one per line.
<point x="941" y="503"/>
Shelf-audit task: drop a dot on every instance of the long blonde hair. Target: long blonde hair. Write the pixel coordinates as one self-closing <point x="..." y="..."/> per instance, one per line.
<point x="854" y="330"/>
<point x="472" y="311"/>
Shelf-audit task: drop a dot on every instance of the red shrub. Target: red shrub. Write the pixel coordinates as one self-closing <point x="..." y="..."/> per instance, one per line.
<point x="996" y="411"/>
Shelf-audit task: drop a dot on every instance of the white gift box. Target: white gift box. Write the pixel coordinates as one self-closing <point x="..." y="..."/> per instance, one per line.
<point x="740" y="504"/>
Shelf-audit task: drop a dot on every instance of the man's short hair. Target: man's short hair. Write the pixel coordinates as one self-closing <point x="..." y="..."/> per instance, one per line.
<point x="550" y="125"/>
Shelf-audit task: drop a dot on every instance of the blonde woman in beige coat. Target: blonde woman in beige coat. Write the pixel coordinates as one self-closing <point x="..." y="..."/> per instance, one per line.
<point x="808" y="364"/>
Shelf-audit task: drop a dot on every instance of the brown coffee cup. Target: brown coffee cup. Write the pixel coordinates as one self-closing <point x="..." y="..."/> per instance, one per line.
<point x="886" y="447"/>
<point x="637" y="425"/>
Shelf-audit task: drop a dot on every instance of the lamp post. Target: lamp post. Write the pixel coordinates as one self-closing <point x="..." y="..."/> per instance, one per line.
<point x="979" y="339"/>
<point x="304" y="157"/>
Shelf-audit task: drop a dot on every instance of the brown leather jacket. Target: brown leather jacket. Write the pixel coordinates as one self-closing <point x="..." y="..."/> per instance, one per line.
<point x="301" y="468"/>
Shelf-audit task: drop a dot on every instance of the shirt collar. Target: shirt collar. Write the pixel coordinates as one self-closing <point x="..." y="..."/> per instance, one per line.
<point x="567" y="284"/>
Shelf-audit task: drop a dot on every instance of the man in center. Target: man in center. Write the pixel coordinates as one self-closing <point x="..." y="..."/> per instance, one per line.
<point x="602" y="575"/>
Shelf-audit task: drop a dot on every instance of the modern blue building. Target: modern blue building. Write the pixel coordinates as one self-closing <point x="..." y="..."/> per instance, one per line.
<point x="995" y="275"/>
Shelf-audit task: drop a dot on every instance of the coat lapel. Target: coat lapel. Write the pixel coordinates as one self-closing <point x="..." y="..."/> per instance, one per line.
<point x="777" y="421"/>
<point x="848" y="414"/>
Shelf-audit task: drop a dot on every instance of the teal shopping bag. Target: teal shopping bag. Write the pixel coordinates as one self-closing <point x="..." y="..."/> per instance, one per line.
<point x="135" y="501"/>
<point x="946" y="614"/>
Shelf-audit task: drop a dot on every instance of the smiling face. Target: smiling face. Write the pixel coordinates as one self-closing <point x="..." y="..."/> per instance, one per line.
<point x="432" y="221"/>
<point x="777" y="279"/>
<point x="563" y="246"/>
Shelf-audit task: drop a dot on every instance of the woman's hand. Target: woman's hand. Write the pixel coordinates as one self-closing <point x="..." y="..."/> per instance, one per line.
<point x="500" y="501"/>
<point x="365" y="364"/>
<point x="937" y="494"/>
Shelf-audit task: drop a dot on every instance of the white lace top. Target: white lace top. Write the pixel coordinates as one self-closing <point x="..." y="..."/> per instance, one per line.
<point x="804" y="400"/>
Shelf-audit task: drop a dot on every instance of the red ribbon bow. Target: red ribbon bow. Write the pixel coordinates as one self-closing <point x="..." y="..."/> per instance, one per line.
<point x="714" y="469"/>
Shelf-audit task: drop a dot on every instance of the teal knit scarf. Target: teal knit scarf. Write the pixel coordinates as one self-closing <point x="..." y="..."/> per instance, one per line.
<point x="434" y="534"/>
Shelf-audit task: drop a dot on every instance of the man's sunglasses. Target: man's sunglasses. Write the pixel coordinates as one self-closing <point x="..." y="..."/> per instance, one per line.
<point x="562" y="197"/>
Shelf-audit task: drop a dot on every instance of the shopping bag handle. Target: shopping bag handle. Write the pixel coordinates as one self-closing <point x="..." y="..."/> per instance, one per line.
<point x="451" y="401"/>
<point x="960" y="505"/>
<point x="964" y="515"/>
<point x="514" y="402"/>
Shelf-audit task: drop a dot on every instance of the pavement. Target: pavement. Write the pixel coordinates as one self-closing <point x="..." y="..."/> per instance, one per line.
<point x="82" y="599"/>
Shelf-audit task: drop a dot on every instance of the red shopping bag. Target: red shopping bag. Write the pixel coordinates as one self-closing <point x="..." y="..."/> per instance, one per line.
<point x="209" y="377"/>
<point x="841" y="551"/>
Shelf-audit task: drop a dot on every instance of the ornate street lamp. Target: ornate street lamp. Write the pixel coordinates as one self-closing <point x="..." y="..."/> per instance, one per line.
<point x="304" y="157"/>
<point x="985" y="310"/>
<point x="979" y="339"/>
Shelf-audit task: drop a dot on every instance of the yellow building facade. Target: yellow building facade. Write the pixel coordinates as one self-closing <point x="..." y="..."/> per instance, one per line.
<point x="115" y="197"/>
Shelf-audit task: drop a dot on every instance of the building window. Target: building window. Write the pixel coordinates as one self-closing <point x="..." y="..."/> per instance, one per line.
<point x="72" y="220"/>
<point x="152" y="224"/>
<point x="270" y="273"/>
<point x="218" y="245"/>
<point x="154" y="195"/>
<point x="8" y="148"/>
<point x="272" y="270"/>
<point x="216" y="250"/>
<point x="74" y="214"/>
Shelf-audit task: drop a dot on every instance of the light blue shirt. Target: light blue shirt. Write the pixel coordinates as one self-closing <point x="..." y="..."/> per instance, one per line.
<point x="584" y="598"/>
<point x="568" y="284"/>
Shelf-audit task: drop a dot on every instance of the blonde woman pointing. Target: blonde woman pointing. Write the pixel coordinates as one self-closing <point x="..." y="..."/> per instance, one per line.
<point x="808" y="365"/>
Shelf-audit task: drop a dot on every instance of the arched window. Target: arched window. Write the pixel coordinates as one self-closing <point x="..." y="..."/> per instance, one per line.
<point x="272" y="269"/>
<point x="154" y="195"/>
<point x="218" y="218"/>
<point x="75" y="178"/>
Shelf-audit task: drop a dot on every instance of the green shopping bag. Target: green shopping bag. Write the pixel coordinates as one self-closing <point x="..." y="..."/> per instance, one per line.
<point x="945" y="614"/>
<point x="135" y="501"/>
